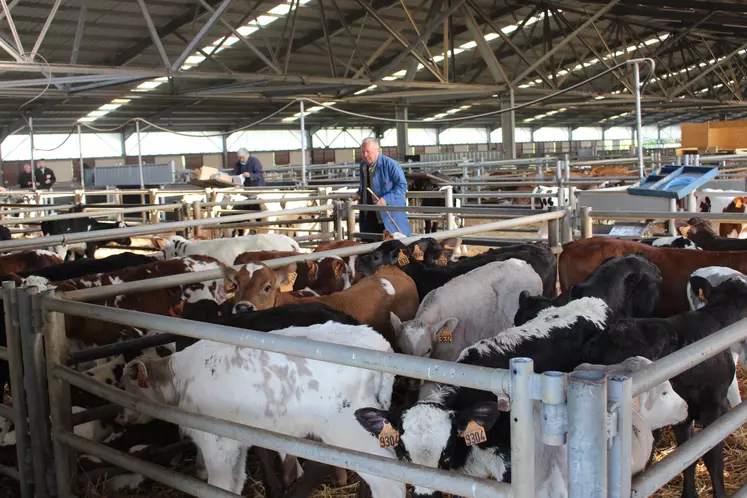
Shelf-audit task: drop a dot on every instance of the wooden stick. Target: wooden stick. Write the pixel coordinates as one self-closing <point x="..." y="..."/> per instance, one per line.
<point x="376" y="199"/>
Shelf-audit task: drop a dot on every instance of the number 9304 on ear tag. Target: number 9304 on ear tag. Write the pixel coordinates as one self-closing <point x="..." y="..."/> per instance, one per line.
<point x="388" y="437"/>
<point x="474" y="434"/>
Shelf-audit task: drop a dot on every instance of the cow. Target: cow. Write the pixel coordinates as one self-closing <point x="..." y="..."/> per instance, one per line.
<point x="369" y="301"/>
<point x="700" y="232"/>
<point x="705" y="386"/>
<point x="30" y="259"/>
<point x="429" y="431"/>
<point x="467" y="309"/>
<point x="5" y="233"/>
<point x="394" y="252"/>
<point x="722" y="204"/>
<point x="224" y="381"/>
<point x="580" y="258"/>
<point x="78" y="225"/>
<point x="672" y="243"/>
<point x="549" y="202"/>
<point x="224" y="250"/>
<point x="630" y="285"/>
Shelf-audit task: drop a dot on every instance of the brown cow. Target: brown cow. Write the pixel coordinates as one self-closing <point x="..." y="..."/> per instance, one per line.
<point x="34" y="259"/>
<point x="701" y="233"/>
<point x="323" y="277"/>
<point x="580" y="258"/>
<point x="336" y="244"/>
<point x="369" y="301"/>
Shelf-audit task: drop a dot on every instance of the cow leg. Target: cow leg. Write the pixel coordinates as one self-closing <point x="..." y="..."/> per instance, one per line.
<point x="91" y="250"/>
<point x="428" y="225"/>
<point x="239" y="471"/>
<point x="273" y="486"/>
<point x="714" y="459"/>
<point x="314" y="474"/>
<point x="682" y="433"/>
<point x="221" y="457"/>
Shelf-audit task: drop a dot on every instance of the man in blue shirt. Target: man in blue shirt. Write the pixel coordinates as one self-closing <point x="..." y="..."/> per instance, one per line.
<point x="250" y="168"/>
<point x="385" y="177"/>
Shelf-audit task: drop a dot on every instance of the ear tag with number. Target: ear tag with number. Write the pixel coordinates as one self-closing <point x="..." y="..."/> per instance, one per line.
<point x="402" y="259"/>
<point x="417" y="253"/>
<point x="474" y="434"/>
<point x="445" y="336"/>
<point x="442" y="261"/>
<point x="388" y="437"/>
<point x="292" y="278"/>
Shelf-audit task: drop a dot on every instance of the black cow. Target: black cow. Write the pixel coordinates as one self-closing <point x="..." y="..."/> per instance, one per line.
<point x="78" y="225"/>
<point x="4" y="233"/>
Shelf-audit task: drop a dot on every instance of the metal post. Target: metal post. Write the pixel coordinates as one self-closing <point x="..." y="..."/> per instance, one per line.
<point x="567" y="166"/>
<point x="670" y="224"/>
<point x="33" y="166"/>
<point x="586" y="222"/>
<point x="326" y="227"/>
<point x="339" y="235"/>
<point x="33" y="383"/>
<point x="449" y="196"/>
<point x="303" y="145"/>
<point x="140" y="165"/>
<point x="566" y="227"/>
<point x="197" y="215"/>
<point x="15" y="364"/>
<point x="553" y="234"/>
<point x="80" y="153"/>
<point x="691" y="203"/>
<point x="522" y="428"/>
<point x="59" y="400"/>
<point x="620" y="401"/>
<point x="351" y="218"/>
<point x="155" y="216"/>
<point x="639" y="144"/>
<point x="587" y="435"/>
<point x="554" y="414"/>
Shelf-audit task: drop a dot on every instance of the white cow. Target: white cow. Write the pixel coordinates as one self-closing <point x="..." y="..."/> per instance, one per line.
<point x="716" y="275"/>
<point x="295" y="396"/>
<point x="224" y="250"/>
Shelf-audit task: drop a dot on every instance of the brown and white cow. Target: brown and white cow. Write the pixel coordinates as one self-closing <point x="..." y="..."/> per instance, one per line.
<point x="369" y="301"/>
<point x="33" y="259"/>
<point x="719" y="204"/>
<point x="323" y="277"/>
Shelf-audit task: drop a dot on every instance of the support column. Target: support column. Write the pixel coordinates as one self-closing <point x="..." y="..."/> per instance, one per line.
<point x="225" y="151"/>
<point x="401" y="113"/>
<point x="508" y="126"/>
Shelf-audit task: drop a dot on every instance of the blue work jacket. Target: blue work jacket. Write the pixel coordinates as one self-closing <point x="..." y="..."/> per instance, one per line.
<point x="389" y="183"/>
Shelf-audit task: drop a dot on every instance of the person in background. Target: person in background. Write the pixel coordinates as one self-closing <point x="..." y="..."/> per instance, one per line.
<point x="44" y="176"/>
<point x="385" y="177"/>
<point x="250" y="168"/>
<point x="26" y="178"/>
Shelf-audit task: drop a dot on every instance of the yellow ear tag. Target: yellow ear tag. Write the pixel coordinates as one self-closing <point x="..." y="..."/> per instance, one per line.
<point x="702" y="297"/>
<point x="685" y="230"/>
<point x="402" y="259"/>
<point x="388" y="437"/>
<point x="417" y="253"/>
<point x="445" y="336"/>
<point x="474" y="434"/>
<point x="442" y="261"/>
<point x="176" y="311"/>
<point x="292" y="278"/>
<point x="738" y="202"/>
<point x="142" y="379"/>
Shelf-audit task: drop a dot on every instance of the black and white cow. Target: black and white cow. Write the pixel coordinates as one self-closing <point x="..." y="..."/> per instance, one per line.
<point x="77" y="225"/>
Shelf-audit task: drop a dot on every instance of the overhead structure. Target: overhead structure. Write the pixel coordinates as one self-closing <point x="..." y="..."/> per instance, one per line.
<point x="218" y="64"/>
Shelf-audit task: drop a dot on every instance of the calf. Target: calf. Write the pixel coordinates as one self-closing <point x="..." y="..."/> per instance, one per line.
<point x="5" y="233"/>
<point x="720" y="204"/>
<point x="699" y="231"/>
<point x="672" y="242"/>
<point x="630" y="285"/>
<point x="370" y="301"/>
<point x="469" y="308"/>
<point x="233" y="383"/>
<point x="31" y="259"/>
<point x="224" y="250"/>
<point x="704" y="386"/>
<point x="429" y="430"/>
<point x="77" y="225"/>
<point x="580" y="258"/>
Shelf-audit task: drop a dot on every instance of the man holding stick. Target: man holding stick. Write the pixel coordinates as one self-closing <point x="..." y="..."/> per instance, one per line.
<point x="382" y="182"/>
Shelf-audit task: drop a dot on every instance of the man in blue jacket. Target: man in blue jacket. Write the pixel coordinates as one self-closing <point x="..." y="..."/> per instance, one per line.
<point x="387" y="180"/>
<point x="250" y="168"/>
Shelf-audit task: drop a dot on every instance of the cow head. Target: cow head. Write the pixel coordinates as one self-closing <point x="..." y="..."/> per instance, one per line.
<point x="432" y="253"/>
<point x="699" y="231"/>
<point x="529" y="307"/>
<point x="430" y="434"/>
<point x="257" y="286"/>
<point x="136" y="379"/>
<point x="732" y="291"/>
<point x="391" y="252"/>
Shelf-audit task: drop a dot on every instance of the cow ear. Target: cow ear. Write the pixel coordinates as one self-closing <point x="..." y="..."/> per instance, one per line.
<point x="701" y="288"/>
<point x="137" y="372"/>
<point x="159" y="242"/>
<point x="484" y="414"/>
<point x="387" y="235"/>
<point x="524" y="299"/>
<point x="284" y="274"/>
<point x="444" y="331"/>
<point x="18" y="280"/>
<point x="339" y="268"/>
<point x="451" y="244"/>
<point x="372" y="419"/>
<point x="229" y="273"/>
<point x="396" y="322"/>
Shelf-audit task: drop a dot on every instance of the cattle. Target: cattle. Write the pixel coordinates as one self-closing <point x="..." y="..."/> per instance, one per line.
<point x="630" y="285"/>
<point x="469" y="308"/>
<point x="430" y="184"/>
<point x="30" y="259"/>
<point x="715" y="276"/>
<point x="699" y="231"/>
<point x="369" y="301"/>
<point x="580" y="258"/>
<point x="331" y="245"/>
<point x="78" y="225"/>
<point x="224" y="250"/>
<point x="704" y="386"/>
<point x="722" y="204"/>
<point x="429" y="430"/>
<point x="394" y="252"/>
<point x="5" y="233"/>
<point x="323" y="277"/>
<point x="550" y="202"/>
<point x="672" y="243"/>
<point x="233" y="383"/>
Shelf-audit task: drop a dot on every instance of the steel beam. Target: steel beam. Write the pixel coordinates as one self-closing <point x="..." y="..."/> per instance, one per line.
<point x="204" y="54"/>
<point x="55" y="80"/>
<point x="78" y="31"/>
<point x="200" y="34"/>
<point x="154" y="34"/>
<point x="495" y="68"/>
<point x="10" y="50"/>
<point x="10" y="6"/>
<point x="708" y="71"/>
<point x="327" y="41"/>
<point x="45" y="28"/>
<point x="13" y="30"/>
<point x="349" y="34"/>
<point x="288" y="48"/>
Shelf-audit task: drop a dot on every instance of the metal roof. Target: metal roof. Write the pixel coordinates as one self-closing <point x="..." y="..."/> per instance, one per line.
<point x="333" y="50"/>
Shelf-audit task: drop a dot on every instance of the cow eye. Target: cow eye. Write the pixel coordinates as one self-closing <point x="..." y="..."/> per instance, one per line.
<point x="268" y="287"/>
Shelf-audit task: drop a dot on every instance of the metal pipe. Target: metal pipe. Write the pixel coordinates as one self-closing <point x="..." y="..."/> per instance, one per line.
<point x="674" y="364"/>
<point x="86" y="214"/>
<point x="566" y="226"/>
<point x="303" y="145"/>
<point x="351" y="218"/>
<point x="200" y="35"/>
<point x="45" y="28"/>
<point x="587" y="435"/>
<point x="522" y="428"/>
<point x="663" y="471"/>
<point x="553" y="230"/>
<point x="15" y="364"/>
<point x="148" y="341"/>
<point x="587" y="230"/>
<point x="662" y="215"/>
<point x="195" y="277"/>
<point x="98" y="413"/>
<point x="670" y="224"/>
<point x="31" y="140"/>
<point x="80" y="153"/>
<point x="741" y="492"/>
<point x="638" y="125"/>
<point x="339" y="233"/>
<point x="449" y="201"/>
<point x="619" y="451"/>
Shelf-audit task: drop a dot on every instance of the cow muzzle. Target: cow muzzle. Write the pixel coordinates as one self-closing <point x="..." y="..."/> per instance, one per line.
<point x="243" y="307"/>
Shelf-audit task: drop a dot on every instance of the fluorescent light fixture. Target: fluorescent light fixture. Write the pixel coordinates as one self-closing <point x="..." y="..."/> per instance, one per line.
<point x="289" y="119"/>
<point x="86" y="119"/>
<point x="491" y="36"/>
<point x="97" y="114"/>
<point x="469" y="45"/>
<point x="110" y="107"/>
<point x="120" y="101"/>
